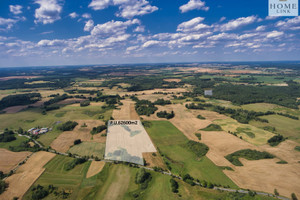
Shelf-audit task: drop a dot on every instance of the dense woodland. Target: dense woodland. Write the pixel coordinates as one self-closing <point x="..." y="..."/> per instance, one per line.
<point x="19" y="99"/>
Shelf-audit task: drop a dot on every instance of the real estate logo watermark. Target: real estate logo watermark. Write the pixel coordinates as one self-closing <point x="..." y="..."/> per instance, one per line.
<point x="283" y="8"/>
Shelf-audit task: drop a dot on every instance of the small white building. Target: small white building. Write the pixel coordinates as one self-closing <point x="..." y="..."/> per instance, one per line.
<point x="208" y="92"/>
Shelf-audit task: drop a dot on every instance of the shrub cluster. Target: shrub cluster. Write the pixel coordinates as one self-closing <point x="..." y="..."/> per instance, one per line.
<point x="67" y="126"/>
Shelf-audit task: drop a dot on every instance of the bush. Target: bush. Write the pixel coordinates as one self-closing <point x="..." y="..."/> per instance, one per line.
<point x="275" y="140"/>
<point x="70" y="165"/>
<point x="7" y="136"/>
<point x="294" y="196"/>
<point x="77" y="141"/>
<point x="3" y="186"/>
<point x="84" y="103"/>
<point x="213" y="127"/>
<point x="143" y="178"/>
<point x="248" y="154"/>
<point x="164" y="114"/>
<point x="200" y="117"/>
<point x="198" y="136"/>
<point x="68" y="126"/>
<point x="198" y="148"/>
<point x="174" y="185"/>
<point x="98" y="129"/>
<point x="39" y="192"/>
<point x="297" y="148"/>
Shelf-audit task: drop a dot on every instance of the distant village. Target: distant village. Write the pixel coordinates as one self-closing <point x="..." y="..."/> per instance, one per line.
<point x="37" y="131"/>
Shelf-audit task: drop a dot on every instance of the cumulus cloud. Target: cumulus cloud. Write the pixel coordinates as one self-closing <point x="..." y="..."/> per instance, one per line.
<point x="7" y="23"/>
<point x="260" y="28"/>
<point x="192" y="25"/>
<point x="15" y="9"/>
<point x="139" y="29"/>
<point x="73" y="15"/>
<point x="150" y="43"/>
<point x="193" y="5"/>
<point x="48" y="12"/>
<point x="50" y="43"/>
<point x="288" y="23"/>
<point x="274" y="34"/>
<point x="113" y="27"/>
<point x="223" y="36"/>
<point x="236" y="23"/>
<point x="89" y="25"/>
<point x="127" y="8"/>
<point x="86" y="16"/>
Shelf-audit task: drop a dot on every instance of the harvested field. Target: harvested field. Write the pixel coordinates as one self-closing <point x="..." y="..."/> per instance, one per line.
<point x="177" y="80"/>
<point x="65" y="140"/>
<point x="186" y="122"/>
<point x="26" y="175"/>
<point x="126" y="112"/>
<point x="154" y="160"/>
<point x="221" y="144"/>
<point x="95" y="168"/>
<point x="9" y="159"/>
<point x="14" y="109"/>
<point x="209" y="115"/>
<point x="266" y="175"/>
<point x="154" y="97"/>
<point x="258" y="173"/>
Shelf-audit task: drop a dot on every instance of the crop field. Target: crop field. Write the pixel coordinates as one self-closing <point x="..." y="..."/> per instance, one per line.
<point x="26" y="175"/>
<point x="171" y="141"/>
<point x="126" y="142"/>
<point x="126" y="111"/>
<point x="287" y="127"/>
<point x="56" y="175"/>
<point x="95" y="168"/>
<point x="9" y="159"/>
<point x="89" y="149"/>
<point x="248" y="132"/>
<point x="65" y="140"/>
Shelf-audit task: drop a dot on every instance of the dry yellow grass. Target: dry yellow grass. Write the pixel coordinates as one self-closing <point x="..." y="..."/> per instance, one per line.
<point x="153" y="161"/>
<point x="177" y="80"/>
<point x="65" y="140"/>
<point x="26" y="175"/>
<point x="95" y="168"/>
<point x="9" y="159"/>
<point x="126" y="112"/>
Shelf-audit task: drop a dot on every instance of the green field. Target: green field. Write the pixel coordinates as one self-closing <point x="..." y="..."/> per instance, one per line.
<point x="250" y="133"/>
<point x="17" y="142"/>
<point x="285" y="126"/>
<point x="89" y="149"/>
<point x="33" y="117"/>
<point x="171" y="143"/>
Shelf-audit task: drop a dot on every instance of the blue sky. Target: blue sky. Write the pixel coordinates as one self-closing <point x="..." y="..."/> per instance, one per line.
<point x="79" y="32"/>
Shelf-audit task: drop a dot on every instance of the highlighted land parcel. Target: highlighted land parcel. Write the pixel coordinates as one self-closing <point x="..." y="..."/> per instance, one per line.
<point x="126" y="141"/>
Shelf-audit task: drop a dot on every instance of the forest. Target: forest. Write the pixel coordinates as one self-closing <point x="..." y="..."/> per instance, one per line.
<point x="19" y="99"/>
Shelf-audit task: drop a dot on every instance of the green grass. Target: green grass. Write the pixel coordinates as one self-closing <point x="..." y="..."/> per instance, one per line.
<point x="285" y="126"/>
<point x="15" y="143"/>
<point x="171" y="142"/>
<point x="56" y="175"/>
<point x="47" y="138"/>
<point x="212" y="127"/>
<point x="246" y="131"/>
<point x="89" y="149"/>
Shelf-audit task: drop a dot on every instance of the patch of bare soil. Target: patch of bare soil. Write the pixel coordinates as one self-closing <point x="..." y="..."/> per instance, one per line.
<point x="9" y="160"/>
<point x="26" y="175"/>
<point x="14" y="109"/>
<point x="95" y="168"/>
<point x="65" y="140"/>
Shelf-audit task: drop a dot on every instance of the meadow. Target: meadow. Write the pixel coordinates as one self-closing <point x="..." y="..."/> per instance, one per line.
<point x="171" y="143"/>
<point x="89" y="149"/>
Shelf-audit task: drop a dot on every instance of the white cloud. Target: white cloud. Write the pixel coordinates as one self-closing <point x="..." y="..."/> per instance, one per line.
<point x="86" y="16"/>
<point x="73" y="15"/>
<point x="15" y="9"/>
<point x="89" y="25"/>
<point x="48" y="12"/>
<point x="127" y="8"/>
<point x="150" y="43"/>
<point x="223" y="36"/>
<point x="192" y="25"/>
<point x="51" y="43"/>
<point x="271" y="17"/>
<point x="289" y="23"/>
<point x="222" y="19"/>
<point x="139" y="29"/>
<point x="113" y="27"/>
<point x="7" y="23"/>
<point x="260" y="28"/>
<point x="274" y="34"/>
<point x="193" y="5"/>
<point x="236" y="23"/>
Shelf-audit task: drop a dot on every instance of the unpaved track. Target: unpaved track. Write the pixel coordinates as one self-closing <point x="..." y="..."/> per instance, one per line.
<point x="26" y="175"/>
<point x="95" y="168"/>
<point x="9" y="160"/>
